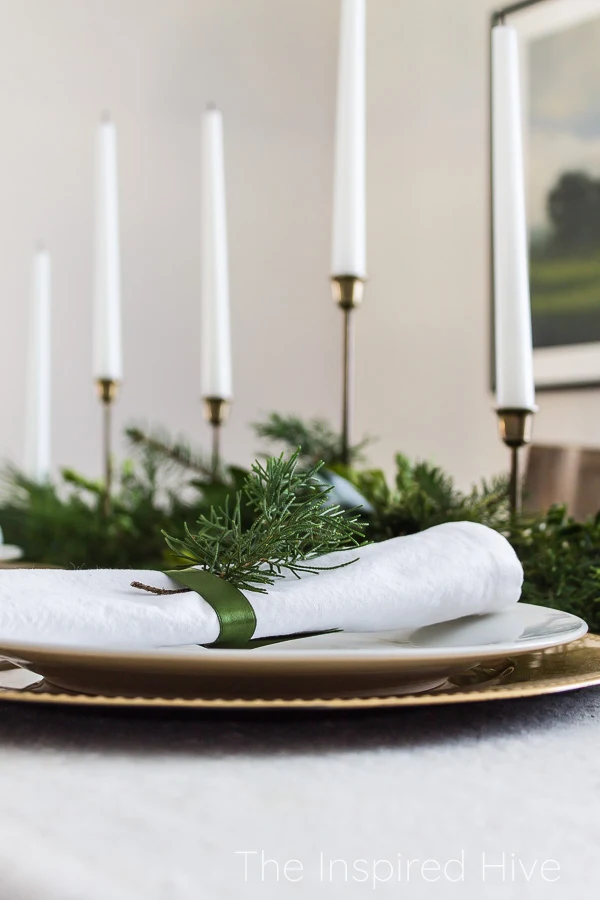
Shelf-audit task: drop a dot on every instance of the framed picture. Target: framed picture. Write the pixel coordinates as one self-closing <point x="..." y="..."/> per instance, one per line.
<point x="560" y="66"/>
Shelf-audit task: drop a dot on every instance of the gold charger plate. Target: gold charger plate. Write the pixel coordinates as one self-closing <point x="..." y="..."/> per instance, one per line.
<point x="550" y="671"/>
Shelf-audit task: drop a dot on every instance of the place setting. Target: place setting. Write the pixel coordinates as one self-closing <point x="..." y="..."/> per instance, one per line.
<point x="309" y="579"/>
<point x="299" y="448"/>
<point x="297" y="610"/>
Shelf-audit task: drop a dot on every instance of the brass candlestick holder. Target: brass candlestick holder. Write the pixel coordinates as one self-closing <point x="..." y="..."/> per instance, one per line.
<point x="216" y="412"/>
<point x="515" y="430"/>
<point x="107" y="392"/>
<point x="348" y="293"/>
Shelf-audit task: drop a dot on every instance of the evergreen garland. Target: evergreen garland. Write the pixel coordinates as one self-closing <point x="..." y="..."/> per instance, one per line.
<point x="560" y="556"/>
<point x="561" y="559"/>
<point x="161" y="486"/>
<point x="422" y="495"/>
<point x="166" y="483"/>
<point x="317" y="441"/>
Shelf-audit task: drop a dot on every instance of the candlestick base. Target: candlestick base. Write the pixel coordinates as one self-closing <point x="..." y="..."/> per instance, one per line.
<point x="515" y="430"/>
<point x="348" y="292"/>
<point x="216" y="412"/>
<point x="107" y="389"/>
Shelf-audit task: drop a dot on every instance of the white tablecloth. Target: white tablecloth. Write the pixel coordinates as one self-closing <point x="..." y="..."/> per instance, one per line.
<point x="110" y="806"/>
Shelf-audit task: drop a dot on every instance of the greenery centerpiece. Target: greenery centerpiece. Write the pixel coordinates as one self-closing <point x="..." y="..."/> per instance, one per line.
<point x="165" y="484"/>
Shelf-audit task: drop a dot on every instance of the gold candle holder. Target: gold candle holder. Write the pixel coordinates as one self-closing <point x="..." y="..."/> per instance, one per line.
<point x="515" y="430"/>
<point x="348" y="291"/>
<point x="107" y="389"/>
<point x="216" y="412"/>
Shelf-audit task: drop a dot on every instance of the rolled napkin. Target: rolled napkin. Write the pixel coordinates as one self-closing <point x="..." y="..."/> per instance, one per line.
<point x="448" y="571"/>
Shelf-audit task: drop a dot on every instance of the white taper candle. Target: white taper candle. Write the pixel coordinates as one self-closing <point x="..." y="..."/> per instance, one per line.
<point x="349" y="252"/>
<point x="37" y="435"/>
<point x="216" y="338"/>
<point x="514" y="354"/>
<point x="108" y="362"/>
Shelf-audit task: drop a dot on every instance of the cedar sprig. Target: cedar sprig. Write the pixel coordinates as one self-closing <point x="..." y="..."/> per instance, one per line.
<point x="294" y="523"/>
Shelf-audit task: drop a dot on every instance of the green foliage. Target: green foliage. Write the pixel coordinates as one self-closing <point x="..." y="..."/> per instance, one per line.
<point x="62" y="524"/>
<point x="561" y="560"/>
<point x="317" y="441"/>
<point x="167" y="483"/>
<point x="573" y="207"/>
<point x="560" y="557"/>
<point x="422" y="495"/>
<point x="157" y="444"/>
<point x="293" y="523"/>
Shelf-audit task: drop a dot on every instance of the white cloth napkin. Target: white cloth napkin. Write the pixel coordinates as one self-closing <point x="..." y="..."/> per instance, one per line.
<point x="452" y="570"/>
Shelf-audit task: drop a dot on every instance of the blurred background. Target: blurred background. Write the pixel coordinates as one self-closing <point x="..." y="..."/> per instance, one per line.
<point x="423" y="332"/>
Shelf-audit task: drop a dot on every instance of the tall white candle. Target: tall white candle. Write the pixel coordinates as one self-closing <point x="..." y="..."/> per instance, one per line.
<point x="108" y="362"/>
<point x="37" y="434"/>
<point x="216" y="339"/>
<point x="349" y="253"/>
<point x="514" y="355"/>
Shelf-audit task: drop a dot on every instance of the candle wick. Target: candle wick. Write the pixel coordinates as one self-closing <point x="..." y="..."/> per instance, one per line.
<point x="211" y="106"/>
<point x="105" y="116"/>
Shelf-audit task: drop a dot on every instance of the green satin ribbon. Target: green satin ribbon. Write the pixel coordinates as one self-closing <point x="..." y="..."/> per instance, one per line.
<point x="237" y="619"/>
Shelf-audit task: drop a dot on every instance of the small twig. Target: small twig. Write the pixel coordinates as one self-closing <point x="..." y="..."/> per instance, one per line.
<point x="155" y="590"/>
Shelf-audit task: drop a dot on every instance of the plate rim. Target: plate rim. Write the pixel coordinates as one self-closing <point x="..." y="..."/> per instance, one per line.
<point x="62" y="652"/>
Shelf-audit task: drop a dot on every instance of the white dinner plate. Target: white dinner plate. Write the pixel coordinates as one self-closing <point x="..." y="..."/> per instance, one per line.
<point x="333" y="665"/>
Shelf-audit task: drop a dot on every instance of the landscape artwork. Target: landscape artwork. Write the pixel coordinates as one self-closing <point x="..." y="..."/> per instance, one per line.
<point x="563" y="174"/>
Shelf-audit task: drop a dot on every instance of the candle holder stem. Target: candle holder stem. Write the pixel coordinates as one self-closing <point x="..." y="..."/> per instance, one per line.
<point x="515" y="490"/>
<point x="107" y="457"/>
<point x="515" y="430"/>
<point x="347" y="384"/>
<point x="347" y="292"/>
<point x="107" y="392"/>
<point x="216" y="411"/>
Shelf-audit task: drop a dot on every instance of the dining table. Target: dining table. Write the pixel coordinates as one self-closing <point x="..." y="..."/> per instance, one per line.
<point x="472" y="800"/>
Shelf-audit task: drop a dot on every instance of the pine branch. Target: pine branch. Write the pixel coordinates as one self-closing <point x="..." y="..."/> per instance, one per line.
<point x="315" y="438"/>
<point x="561" y="560"/>
<point x="59" y="523"/>
<point x="176" y="452"/>
<point x="293" y="524"/>
<point x="422" y="496"/>
<point x="76" y="480"/>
